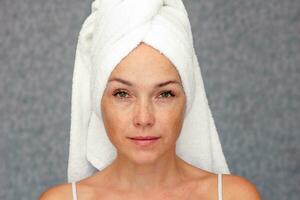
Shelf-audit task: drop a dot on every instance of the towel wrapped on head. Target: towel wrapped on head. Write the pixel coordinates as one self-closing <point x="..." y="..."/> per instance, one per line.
<point x="112" y="30"/>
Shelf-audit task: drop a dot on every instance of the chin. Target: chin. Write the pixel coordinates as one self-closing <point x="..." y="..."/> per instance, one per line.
<point x="142" y="158"/>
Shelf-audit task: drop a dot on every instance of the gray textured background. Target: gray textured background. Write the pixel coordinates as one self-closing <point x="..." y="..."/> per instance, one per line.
<point x="249" y="52"/>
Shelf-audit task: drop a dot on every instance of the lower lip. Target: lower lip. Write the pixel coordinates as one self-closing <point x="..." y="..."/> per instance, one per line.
<point x="144" y="142"/>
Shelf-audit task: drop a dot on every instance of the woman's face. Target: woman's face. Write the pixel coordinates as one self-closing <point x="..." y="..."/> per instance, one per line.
<point x="137" y="103"/>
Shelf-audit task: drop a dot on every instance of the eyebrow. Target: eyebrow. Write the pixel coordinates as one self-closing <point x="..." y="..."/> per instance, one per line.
<point x="156" y="86"/>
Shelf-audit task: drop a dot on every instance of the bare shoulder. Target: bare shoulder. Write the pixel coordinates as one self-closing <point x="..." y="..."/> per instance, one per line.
<point x="57" y="192"/>
<point x="237" y="187"/>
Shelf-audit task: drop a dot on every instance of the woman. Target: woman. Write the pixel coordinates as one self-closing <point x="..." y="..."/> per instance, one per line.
<point x="141" y="127"/>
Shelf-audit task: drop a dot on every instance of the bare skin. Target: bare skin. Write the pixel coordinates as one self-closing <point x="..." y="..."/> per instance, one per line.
<point x="188" y="187"/>
<point x="141" y="109"/>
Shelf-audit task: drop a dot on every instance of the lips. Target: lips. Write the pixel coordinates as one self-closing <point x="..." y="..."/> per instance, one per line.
<point x="144" y="138"/>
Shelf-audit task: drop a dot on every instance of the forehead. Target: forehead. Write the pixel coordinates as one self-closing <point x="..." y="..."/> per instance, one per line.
<point x="146" y="62"/>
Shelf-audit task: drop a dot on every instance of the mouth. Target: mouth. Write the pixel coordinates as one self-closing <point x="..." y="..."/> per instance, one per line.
<point x="144" y="137"/>
<point x="144" y="140"/>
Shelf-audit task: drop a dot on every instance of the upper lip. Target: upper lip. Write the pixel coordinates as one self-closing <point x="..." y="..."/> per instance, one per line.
<point x="144" y="137"/>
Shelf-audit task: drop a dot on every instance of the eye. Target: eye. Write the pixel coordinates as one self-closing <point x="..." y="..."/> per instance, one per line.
<point x="122" y="94"/>
<point x="167" y="94"/>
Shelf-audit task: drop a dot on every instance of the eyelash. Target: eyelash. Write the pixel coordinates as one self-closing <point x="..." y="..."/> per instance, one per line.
<point x="164" y="92"/>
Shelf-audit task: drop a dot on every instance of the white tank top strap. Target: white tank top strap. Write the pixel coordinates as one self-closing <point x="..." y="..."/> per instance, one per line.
<point x="220" y="186"/>
<point x="74" y="192"/>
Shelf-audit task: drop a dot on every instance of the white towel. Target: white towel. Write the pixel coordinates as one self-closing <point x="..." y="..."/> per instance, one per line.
<point x="112" y="30"/>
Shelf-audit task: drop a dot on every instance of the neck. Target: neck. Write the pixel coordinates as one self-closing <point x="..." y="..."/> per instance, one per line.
<point x="164" y="172"/>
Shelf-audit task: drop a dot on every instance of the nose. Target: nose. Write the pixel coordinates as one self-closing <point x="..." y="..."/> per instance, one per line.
<point x="143" y="115"/>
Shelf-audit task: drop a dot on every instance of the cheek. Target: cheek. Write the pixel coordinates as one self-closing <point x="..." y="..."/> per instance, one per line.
<point x="171" y="122"/>
<point x="114" y="121"/>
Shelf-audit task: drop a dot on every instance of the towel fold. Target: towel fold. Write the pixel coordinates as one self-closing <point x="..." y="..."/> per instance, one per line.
<point x="112" y="30"/>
